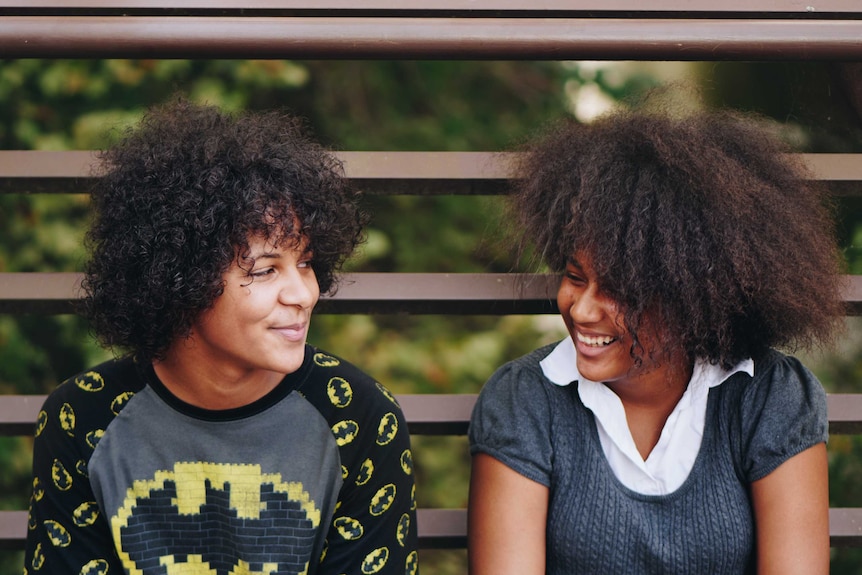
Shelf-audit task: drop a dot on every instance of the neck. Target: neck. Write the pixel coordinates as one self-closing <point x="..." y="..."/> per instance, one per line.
<point x="204" y="385"/>
<point x="649" y="400"/>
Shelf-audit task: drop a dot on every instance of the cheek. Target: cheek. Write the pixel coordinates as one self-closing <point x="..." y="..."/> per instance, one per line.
<point x="565" y="300"/>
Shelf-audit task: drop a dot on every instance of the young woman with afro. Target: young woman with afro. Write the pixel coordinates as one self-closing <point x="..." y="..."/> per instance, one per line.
<point x="665" y="434"/>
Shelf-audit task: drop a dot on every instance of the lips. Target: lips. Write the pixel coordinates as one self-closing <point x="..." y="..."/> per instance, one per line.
<point x="293" y="332"/>
<point x="595" y="340"/>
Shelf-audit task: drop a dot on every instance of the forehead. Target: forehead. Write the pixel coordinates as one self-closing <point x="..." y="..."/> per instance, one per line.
<point x="582" y="261"/>
<point x="259" y="245"/>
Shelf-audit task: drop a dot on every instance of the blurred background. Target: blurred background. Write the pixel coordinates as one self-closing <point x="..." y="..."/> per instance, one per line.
<point x="387" y="106"/>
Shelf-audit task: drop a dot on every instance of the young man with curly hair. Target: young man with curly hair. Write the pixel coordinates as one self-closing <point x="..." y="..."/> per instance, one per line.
<point x="221" y="442"/>
<point x="665" y="434"/>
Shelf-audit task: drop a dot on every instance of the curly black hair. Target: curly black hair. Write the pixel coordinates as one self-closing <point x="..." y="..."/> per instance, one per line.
<point x="178" y="198"/>
<point x="697" y="220"/>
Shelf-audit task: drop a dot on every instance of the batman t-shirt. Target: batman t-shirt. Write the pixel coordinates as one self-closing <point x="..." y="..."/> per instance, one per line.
<point x="315" y="477"/>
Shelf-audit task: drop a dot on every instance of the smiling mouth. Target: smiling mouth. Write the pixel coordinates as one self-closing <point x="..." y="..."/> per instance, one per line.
<point x="293" y="332"/>
<point x="596" y="341"/>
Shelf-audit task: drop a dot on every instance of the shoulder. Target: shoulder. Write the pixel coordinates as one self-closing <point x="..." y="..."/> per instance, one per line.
<point x="359" y="410"/>
<point x="513" y="419"/>
<point x="519" y="382"/>
<point x="92" y="398"/>
<point x="335" y="383"/>
<point x="781" y="411"/>
<point x="782" y="383"/>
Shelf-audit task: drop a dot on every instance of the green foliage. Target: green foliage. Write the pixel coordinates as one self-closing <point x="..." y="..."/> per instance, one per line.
<point x="400" y="105"/>
<point x="80" y="104"/>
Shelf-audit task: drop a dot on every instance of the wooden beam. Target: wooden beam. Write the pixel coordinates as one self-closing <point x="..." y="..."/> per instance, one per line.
<point x="445" y="7"/>
<point x="409" y="173"/>
<point x="458" y="38"/>
<point x="426" y="414"/>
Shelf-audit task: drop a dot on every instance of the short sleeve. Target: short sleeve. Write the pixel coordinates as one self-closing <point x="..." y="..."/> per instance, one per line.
<point x="511" y="421"/>
<point x="783" y="414"/>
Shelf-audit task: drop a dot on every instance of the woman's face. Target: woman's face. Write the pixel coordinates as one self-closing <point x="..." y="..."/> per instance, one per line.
<point x="595" y="323"/>
<point x="261" y="320"/>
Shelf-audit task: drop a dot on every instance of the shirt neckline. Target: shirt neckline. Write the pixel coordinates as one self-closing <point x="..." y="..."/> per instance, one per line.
<point x="289" y="383"/>
<point x="675" y="454"/>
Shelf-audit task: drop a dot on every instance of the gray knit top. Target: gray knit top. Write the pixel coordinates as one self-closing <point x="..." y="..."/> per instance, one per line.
<point x="596" y="524"/>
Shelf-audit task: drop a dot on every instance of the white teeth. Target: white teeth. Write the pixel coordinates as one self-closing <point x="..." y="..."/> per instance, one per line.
<point x="596" y="341"/>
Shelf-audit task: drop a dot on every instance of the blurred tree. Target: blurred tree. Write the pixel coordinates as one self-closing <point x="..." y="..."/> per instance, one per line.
<point x="403" y="105"/>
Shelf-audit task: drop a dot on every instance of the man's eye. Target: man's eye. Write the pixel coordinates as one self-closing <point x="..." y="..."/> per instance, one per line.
<point x="261" y="273"/>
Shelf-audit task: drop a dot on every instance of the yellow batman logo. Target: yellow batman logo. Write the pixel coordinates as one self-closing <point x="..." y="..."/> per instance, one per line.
<point x="382" y="500"/>
<point x="344" y="472"/>
<point x="366" y="470"/>
<point x="94" y="436"/>
<point x="120" y="402"/>
<point x="86" y="514"/>
<point x="376" y="560"/>
<point x="339" y="391"/>
<point x="41" y="422"/>
<point x="407" y="462"/>
<point x="403" y="529"/>
<point x="183" y="506"/>
<point x="38" y="490"/>
<point x="345" y="432"/>
<point x="57" y="534"/>
<point x="95" y="567"/>
<point x="411" y="565"/>
<point x="413" y="498"/>
<point x="61" y="477"/>
<point x="324" y="360"/>
<point x="387" y="429"/>
<point x="67" y="419"/>
<point x="349" y="528"/>
<point x="38" y="558"/>
<point x="81" y="467"/>
<point x="31" y="521"/>
<point x="386" y="392"/>
<point x="90" y="381"/>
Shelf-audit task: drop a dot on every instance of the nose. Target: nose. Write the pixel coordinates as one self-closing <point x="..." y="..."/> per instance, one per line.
<point x="299" y="288"/>
<point x="588" y="306"/>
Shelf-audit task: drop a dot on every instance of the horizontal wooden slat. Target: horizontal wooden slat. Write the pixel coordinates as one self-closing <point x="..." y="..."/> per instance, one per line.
<point x="426" y="414"/>
<point x="845" y="527"/>
<point x="447" y="528"/>
<point x="437" y="529"/>
<point x="438" y="414"/>
<point x="13" y="529"/>
<point x="845" y="413"/>
<point x="385" y="293"/>
<point x="460" y="38"/>
<point x="447" y="6"/>
<point x="389" y="293"/>
<point x="415" y="173"/>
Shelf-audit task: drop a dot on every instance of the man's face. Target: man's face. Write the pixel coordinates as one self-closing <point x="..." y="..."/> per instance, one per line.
<point x="261" y="320"/>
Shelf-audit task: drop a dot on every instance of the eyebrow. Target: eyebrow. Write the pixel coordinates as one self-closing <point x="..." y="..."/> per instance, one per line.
<point x="265" y="256"/>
